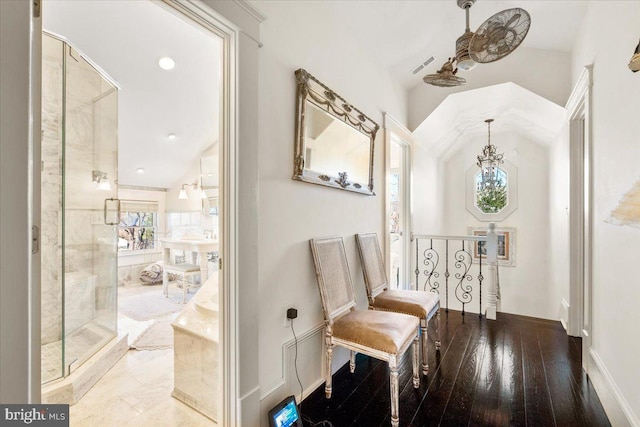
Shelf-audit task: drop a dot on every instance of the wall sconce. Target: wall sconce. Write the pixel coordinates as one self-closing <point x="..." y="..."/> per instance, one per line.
<point x="182" y="194"/>
<point x="102" y="180"/>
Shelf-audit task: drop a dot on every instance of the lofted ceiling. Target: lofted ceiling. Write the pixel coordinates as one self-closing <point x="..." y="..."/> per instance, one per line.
<point x="126" y="39"/>
<point x="400" y="35"/>
<point x="513" y="108"/>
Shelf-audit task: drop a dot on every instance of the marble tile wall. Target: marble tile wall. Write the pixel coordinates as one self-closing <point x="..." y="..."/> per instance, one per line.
<point x="51" y="220"/>
<point x="89" y="253"/>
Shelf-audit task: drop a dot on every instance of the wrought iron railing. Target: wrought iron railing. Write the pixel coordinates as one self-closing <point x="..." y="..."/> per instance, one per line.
<point x="442" y="262"/>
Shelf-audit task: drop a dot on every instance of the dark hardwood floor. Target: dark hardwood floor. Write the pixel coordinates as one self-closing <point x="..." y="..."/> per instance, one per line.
<point x="515" y="371"/>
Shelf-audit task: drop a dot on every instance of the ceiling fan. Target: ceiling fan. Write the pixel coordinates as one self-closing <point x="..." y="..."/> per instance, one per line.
<point x="496" y="38"/>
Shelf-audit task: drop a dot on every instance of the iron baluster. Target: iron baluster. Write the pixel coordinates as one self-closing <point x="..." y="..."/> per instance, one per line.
<point x="480" y="279"/>
<point x="417" y="271"/>
<point x="463" y="263"/>
<point x="446" y="275"/>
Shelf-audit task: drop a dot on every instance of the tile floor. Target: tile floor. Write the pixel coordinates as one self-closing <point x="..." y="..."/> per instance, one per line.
<point x="79" y="345"/>
<point x="136" y="392"/>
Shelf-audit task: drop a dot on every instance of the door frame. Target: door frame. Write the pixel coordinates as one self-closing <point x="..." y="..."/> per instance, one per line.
<point x="580" y="212"/>
<point x="202" y="15"/>
<point x="394" y="131"/>
<point x="212" y="20"/>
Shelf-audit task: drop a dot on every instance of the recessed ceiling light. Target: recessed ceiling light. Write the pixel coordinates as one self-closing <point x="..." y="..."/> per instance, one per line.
<point x="171" y="137"/>
<point x="140" y="171"/>
<point x="210" y="174"/>
<point x="166" y="63"/>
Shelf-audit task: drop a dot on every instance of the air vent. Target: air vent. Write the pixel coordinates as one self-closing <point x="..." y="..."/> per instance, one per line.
<point x="423" y="65"/>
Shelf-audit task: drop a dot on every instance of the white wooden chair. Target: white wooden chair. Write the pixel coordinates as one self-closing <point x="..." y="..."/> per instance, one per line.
<point x="382" y="335"/>
<point x="422" y="304"/>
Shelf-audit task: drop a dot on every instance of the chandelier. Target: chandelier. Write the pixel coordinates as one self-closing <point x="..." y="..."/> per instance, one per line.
<point x="489" y="163"/>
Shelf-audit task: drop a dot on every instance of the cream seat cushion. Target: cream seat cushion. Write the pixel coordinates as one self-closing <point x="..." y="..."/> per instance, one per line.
<point x="416" y="303"/>
<point x="380" y="330"/>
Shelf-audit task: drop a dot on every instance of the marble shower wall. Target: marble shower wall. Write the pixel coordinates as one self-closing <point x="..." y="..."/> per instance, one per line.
<point x="90" y="143"/>
<point x="51" y="221"/>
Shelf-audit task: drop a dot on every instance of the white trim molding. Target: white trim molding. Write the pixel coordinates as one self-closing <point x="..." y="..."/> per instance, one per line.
<point x="396" y="131"/>
<point x="235" y="407"/>
<point x="580" y="208"/>
<point x="564" y="313"/>
<point x="287" y="349"/>
<point x="615" y="405"/>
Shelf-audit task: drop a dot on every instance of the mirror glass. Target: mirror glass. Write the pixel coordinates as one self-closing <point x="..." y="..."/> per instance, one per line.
<point x="210" y="183"/>
<point x="334" y="141"/>
<point x="209" y="172"/>
<point x="332" y="146"/>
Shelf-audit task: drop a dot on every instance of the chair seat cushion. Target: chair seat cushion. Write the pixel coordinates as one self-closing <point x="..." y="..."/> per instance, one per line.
<point x="380" y="330"/>
<point x="183" y="268"/>
<point x="416" y="303"/>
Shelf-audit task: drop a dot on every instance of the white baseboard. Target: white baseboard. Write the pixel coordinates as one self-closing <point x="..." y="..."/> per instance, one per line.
<point x="564" y="313"/>
<point x="615" y="405"/>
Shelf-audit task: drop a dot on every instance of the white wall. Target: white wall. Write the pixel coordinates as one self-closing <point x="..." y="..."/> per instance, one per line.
<point x="525" y="288"/>
<point x="607" y="39"/>
<point x="300" y="35"/>
<point x="559" y="222"/>
<point x="544" y="72"/>
<point x="427" y="191"/>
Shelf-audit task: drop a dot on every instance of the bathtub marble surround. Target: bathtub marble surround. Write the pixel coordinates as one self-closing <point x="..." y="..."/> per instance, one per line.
<point x="196" y="351"/>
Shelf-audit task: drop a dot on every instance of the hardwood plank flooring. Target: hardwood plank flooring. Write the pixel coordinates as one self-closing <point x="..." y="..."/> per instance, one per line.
<point x="515" y="371"/>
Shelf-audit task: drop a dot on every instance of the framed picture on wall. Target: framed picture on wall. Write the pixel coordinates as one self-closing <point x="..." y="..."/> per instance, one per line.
<point x="506" y="245"/>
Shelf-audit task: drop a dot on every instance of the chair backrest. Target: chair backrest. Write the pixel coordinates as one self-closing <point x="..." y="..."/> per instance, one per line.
<point x="375" y="276"/>
<point x="334" y="279"/>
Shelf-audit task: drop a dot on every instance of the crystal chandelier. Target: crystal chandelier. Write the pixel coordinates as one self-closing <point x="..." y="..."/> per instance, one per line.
<point x="489" y="162"/>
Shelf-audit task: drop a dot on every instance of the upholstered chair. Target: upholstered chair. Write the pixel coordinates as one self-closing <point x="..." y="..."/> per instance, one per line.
<point x="382" y="335"/>
<point x="424" y="305"/>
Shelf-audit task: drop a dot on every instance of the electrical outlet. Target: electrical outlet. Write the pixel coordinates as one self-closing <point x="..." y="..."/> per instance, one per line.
<point x="290" y="314"/>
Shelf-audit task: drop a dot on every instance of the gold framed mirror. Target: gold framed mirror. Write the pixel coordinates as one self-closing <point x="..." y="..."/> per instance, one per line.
<point x="334" y="141"/>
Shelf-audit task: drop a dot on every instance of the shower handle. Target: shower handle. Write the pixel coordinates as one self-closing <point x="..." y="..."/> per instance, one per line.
<point x="106" y="204"/>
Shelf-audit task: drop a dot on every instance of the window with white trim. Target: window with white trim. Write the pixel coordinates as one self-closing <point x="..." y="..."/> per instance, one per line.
<point x="137" y="230"/>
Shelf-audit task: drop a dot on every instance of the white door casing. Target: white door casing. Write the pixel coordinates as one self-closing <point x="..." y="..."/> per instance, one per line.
<point x="396" y="134"/>
<point x="580" y="209"/>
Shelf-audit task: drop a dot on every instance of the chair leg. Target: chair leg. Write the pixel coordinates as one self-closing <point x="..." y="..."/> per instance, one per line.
<point x="393" y="384"/>
<point x="327" y="373"/>
<point x="352" y="362"/>
<point x="416" y="357"/>
<point x="425" y="353"/>
<point x="185" y="286"/>
<point x="438" y="330"/>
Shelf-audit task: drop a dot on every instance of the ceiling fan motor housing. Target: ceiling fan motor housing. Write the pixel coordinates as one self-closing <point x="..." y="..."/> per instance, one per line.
<point x="465" y="3"/>
<point x="463" y="59"/>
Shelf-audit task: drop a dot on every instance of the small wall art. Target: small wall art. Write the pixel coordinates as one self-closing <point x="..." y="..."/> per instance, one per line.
<point x="506" y="245"/>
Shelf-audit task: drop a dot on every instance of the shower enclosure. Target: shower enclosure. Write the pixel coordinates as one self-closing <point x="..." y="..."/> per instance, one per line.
<point x="79" y="240"/>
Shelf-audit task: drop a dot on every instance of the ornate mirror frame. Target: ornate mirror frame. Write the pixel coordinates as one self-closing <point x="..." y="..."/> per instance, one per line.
<point x="315" y="92"/>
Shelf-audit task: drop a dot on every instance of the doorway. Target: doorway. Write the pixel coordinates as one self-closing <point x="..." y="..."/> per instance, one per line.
<point x="580" y="221"/>
<point x="147" y="217"/>
<point x="398" y="203"/>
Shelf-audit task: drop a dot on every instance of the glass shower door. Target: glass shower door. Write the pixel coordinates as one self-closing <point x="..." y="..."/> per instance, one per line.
<point x="89" y="230"/>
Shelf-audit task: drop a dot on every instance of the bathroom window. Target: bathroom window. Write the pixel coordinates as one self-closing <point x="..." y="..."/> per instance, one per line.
<point x="138" y="226"/>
